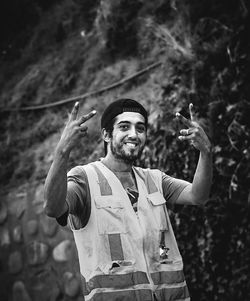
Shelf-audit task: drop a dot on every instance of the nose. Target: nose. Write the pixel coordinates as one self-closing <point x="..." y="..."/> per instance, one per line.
<point x="133" y="132"/>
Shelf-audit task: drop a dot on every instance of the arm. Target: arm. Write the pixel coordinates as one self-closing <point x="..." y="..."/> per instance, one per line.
<point x="197" y="192"/>
<point x="55" y="189"/>
<point x="56" y="181"/>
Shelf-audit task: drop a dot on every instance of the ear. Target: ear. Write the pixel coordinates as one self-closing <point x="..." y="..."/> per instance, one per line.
<point x="105" y="135"/>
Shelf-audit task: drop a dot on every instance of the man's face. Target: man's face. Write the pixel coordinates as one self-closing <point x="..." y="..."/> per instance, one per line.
<point x="128" y="136"/>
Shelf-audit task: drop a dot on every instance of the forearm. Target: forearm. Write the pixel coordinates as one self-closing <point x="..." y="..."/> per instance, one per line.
<point x="202" y="179"/>
<point x="56" y="185"/>
<point x="56" y="181"/>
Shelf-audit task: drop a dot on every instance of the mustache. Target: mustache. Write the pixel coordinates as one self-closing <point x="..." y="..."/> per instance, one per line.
<point x="135" y="140"/>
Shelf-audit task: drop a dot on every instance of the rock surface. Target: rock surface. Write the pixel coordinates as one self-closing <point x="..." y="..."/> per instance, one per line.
<point x="63" y="251"/>
<point x="4" y="237"/>
<point x="15" y="262"/>
<point x="17" y="234"/>
<point x="19" y="292"/>
<point x="32" y="227"/>
<point x="71" y="284"/>
<point x="37" y="252"/>
<point x="3" y="212"/>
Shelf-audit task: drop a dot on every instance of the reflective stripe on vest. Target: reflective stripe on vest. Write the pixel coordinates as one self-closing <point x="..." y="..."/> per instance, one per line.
<point x="115" y="246"/>
<point x="117" y="281"/>
<point x="150" y="184"/>
<point x="169" y="277"/>
<point x="140" y="293"/>
<point x="172" y="293"/>
<point x="137" y="293"/>
<point x="165" y="281"/>
<point x="103" y="183"/>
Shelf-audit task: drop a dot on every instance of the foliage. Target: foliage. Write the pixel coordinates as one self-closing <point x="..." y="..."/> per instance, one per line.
<point x="16" y="29"/>
<point x="25" y="23"/>
<point x="117" y="22"/>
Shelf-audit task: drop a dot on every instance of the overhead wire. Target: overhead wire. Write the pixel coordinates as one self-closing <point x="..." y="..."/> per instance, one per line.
<point x="85" y="95"/>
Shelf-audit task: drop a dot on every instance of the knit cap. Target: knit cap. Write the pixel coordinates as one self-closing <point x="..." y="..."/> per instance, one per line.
<point x="118" y="107"/>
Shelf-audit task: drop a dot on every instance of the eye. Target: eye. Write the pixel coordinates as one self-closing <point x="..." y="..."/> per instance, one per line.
<point x="141" y="128"/>
<point x="124" y="127"/>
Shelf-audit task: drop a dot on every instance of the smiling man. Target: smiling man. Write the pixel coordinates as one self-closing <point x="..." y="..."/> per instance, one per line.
<point x="117" y="212"/>
<point x="124" y="147"/>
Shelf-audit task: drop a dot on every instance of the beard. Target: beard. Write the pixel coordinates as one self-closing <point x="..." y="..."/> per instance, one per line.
<point x="126" y="154"/>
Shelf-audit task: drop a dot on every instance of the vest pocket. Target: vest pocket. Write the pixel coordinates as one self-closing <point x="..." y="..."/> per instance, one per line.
<point x="110" y="215"/>
<point x="159" y="210"/>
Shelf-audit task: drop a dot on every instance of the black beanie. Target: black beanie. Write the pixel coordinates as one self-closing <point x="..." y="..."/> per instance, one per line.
<point x="118" y="107"/>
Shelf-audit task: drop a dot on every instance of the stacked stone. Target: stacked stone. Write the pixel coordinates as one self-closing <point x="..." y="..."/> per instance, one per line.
<point x="38" y="259"/>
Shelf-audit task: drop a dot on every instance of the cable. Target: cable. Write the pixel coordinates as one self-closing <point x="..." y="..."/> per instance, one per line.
<point x="83" y="96"/>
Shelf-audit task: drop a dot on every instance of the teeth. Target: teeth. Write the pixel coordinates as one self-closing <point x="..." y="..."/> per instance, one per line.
<point x="131" y="144"/>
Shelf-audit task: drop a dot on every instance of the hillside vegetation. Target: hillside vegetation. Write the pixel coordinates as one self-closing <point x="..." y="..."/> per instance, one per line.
<point x="66" y="48"/>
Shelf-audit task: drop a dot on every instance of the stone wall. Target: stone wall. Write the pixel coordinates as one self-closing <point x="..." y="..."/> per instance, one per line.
<point x="38" y="258"/>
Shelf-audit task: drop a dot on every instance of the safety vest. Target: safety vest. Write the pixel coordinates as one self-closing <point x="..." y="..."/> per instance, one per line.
<point x="125" y="255"/>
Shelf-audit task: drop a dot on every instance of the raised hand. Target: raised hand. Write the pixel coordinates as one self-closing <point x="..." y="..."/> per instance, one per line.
<point x="194" y="132"/>
<point x="74" y="130"/>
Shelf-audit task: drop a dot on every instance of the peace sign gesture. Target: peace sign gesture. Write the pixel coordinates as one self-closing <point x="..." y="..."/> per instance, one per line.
<point x="194" y="132"/>
<point x="74" y="130"/>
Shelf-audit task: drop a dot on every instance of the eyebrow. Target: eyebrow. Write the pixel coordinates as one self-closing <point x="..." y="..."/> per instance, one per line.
<point x="125" y="121"/>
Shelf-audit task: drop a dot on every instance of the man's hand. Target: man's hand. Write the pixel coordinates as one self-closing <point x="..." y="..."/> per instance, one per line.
<point x="194" y="133"/>
<point x="197" y="192"/>
<point x="74" y="130"/>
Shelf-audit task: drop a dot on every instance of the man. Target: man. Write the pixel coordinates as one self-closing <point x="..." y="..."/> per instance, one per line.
<point x="117" y="212"/>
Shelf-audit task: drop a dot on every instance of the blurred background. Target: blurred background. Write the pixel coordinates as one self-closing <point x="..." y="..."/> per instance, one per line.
<point x="165" y="54"/>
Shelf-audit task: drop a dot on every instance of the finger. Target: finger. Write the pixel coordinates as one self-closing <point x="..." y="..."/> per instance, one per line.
<point x="184" y="120"/>
<point x="86" y="117"/>
<point x="74" y="112"/>
<point x="189" y="137"/>
<point x="191" y="111"/>
<point x="188" y="131"/>
<point x="184" y="132"/>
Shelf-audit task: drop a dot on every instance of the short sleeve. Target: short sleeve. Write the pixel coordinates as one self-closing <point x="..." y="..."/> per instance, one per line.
<point x="78" y="199"/>
<point x="172" y="188"/>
